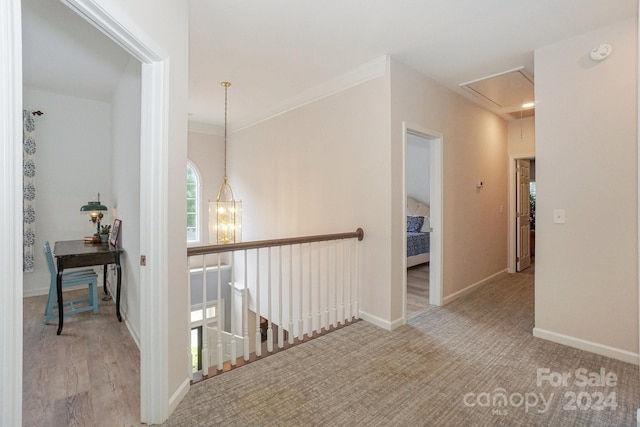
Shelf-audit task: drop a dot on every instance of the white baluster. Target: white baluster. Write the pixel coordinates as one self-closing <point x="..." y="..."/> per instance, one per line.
<point x="356" y="308"/>
<point x="234" y="351"/>
<point x="205" y="333"/>
<point x="220" y="346"/>
<point x="245" y="311"/>
<point x="190" y="352"/>
<point x="349" y="282"/>
<point x="258" y="330"/>
<point x="290" y="340"/>
<point x="319" y="287"/>
<point x="335" y="283"/>
<point x="280" y="301"/>
<point x="310" y="313"/>
<point x="342" y="283"/>
<point x="301" y="296"/>
<point x="269" y="330"/>
<point x="327" y="320"/>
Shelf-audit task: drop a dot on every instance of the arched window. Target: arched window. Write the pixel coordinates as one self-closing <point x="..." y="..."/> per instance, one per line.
<point x="193" y="204"/>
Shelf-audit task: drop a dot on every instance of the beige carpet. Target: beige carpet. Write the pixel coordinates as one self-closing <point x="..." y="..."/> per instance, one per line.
<point x="449" y="366"/>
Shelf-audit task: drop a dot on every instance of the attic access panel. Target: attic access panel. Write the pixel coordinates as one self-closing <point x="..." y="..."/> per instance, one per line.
<point x="507" y="90"/>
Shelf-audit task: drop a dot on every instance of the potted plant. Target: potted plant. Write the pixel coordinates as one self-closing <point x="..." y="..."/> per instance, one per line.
<point x="104" y="233"/>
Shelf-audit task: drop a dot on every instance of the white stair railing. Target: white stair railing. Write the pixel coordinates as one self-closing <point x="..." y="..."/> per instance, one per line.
<point x="297" y="286"/>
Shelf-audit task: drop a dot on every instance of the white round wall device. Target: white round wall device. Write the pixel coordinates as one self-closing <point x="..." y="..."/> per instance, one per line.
<point x="601" y="52"/>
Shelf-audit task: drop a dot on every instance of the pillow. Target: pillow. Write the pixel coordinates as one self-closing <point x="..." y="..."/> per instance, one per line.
<point x="426" y="226"/>
<point x="414" y="223"/>
<point x="421" y="210"/>
<point x="411" y="205"/>
<point x="416" y="208"/>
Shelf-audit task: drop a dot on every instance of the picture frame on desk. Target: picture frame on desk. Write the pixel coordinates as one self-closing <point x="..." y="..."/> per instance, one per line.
<point x="115" y="232"/>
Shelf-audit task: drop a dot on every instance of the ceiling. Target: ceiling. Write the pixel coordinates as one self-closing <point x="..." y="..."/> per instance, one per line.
<point x="63" y="53"/>
<point x="276" y="51"/>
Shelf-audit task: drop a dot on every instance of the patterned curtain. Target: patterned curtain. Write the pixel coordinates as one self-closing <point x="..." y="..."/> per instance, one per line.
<point x="29" y="189"/>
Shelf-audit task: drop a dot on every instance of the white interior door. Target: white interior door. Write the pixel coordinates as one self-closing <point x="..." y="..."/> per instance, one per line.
<point x="523" y="211"/>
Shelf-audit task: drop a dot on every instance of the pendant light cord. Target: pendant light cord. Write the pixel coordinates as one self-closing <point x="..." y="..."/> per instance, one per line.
<point x="226" y="86"/>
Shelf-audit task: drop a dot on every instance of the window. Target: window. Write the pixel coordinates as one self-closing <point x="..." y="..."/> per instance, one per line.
<point x="193" y="203"/>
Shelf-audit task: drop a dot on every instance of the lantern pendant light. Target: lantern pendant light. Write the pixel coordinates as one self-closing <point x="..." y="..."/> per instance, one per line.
<point x="228" y="211"/>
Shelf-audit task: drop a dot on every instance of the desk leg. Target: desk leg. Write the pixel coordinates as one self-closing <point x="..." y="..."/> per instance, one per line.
<point x="119" y="280"/>
<point x="104" y="279"/>
<point x="60" y="302"/>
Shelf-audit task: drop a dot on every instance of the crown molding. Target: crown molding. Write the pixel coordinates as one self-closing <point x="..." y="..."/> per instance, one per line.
<point x="356" y="76"/>
<point x="206" y="128"/>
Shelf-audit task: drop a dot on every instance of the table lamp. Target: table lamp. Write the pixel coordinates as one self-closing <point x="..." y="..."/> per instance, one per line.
<point x="95" y="211"/>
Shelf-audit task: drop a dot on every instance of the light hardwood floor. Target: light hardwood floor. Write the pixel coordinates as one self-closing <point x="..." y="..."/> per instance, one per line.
<point x="88" y="376"/>
<point x="417" y="288"/>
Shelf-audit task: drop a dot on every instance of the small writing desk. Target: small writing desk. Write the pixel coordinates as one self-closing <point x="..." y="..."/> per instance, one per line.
<point x="77" y="253"/>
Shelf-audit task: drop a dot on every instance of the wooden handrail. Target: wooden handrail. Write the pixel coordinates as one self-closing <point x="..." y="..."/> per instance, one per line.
<point x="214" y="249"/>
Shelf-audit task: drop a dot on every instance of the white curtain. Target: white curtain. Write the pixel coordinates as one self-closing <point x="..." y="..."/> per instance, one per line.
<point x="29" y="189"/>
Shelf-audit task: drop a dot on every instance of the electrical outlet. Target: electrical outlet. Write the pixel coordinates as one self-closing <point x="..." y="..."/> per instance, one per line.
<point x="558" y="216"/>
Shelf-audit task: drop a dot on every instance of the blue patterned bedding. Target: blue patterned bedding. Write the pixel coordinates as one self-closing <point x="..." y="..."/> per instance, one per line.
<point x="417" y="243"/>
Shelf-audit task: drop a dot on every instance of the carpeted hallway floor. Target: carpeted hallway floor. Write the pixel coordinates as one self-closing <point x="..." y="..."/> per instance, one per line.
<point x="473" y="362"/>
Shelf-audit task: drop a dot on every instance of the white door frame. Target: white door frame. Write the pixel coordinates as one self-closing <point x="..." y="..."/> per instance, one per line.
<point x="511" y="252"/>
<point x="436" y="208"/>
<point x="11" y="291"/>
<point x="154" y="381"/>
<point x="153" y="207"/>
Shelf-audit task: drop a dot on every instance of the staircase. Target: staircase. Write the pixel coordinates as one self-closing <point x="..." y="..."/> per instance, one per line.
<point x="272" y="295"/>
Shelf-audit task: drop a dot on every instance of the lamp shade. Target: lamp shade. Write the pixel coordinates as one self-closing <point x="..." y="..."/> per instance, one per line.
<point x="228" y="214"/>
<point x="93" y="206"/>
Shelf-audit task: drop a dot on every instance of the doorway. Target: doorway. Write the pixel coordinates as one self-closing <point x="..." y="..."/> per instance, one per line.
<point x="522" y="205"/>
<point x="153" y="197"/>
<point x="422" y="183"/>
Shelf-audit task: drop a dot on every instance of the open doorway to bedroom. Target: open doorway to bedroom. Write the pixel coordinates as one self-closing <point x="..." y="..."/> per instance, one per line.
<point x="423" y="207"/>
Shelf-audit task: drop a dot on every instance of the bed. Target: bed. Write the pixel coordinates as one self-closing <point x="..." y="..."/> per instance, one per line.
<point x="418" y="227"/>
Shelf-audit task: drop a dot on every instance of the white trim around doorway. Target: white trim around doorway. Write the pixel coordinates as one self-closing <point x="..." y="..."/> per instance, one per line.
<point x="154" y="381"/>
<point x="11" y="292"/>
<point x="436" y="208"/>
<point x="511" y="234"/>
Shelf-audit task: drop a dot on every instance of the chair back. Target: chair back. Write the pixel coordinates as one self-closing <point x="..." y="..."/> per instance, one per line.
<point x="49" y="256"/>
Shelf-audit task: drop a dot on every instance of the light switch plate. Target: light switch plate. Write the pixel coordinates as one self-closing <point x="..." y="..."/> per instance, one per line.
<point x="558" y="216"/>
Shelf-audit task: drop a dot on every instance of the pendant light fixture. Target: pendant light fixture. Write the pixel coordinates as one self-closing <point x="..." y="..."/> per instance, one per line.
<point x="228" y="211"/>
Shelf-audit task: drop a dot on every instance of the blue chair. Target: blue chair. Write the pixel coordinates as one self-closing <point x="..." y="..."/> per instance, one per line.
<point x="85" y="276"/>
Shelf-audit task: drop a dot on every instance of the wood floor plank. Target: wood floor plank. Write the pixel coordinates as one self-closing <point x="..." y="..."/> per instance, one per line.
<point x="417" y="288"/>
<point x="88" y="376"/>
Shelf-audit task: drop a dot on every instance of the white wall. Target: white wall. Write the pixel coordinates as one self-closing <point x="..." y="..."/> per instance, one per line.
<point x="125" y="178"/>
<point x="522" y="137"/>
<point x="166" y="31"/>
<point x="327" y="167"/>
<point x="418" y="166"/>
<point x="73" y="165"/>
<point x="206" y="152"/>
<point x="323" y="168"/>
<point x="586" y="161"/>
<point x="474" y="148"/>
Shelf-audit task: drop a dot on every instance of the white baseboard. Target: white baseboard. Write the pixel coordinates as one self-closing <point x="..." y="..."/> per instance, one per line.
<point x="132" y="332"/>
<point x="179" y="394"/>
<point x="45" y="291"/>
<point x="381" y="323"/>
<point x="454" y="296"/>
<point x="35" y="292"/>
<point x="590" y="346"/>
